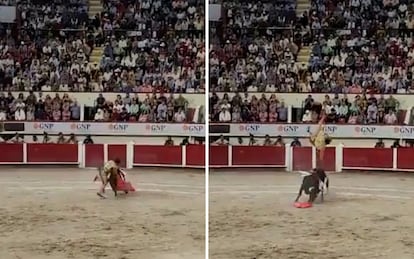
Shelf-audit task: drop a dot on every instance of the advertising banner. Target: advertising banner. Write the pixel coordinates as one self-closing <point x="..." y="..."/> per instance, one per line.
<point x="121" y="129"/>
<point x="335" y="131"/>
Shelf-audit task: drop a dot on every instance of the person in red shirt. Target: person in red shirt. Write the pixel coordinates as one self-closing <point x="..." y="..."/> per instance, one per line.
<point x="66" y="114"/>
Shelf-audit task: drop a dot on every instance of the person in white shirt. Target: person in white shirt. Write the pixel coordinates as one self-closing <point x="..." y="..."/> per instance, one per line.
<point x="307" y="117"/>
<point x="224" y="115"/>
<point x="390" y="118"/>
<point x="99" y="115"/>
<point x="19" y="114"/>
<point x="179" y="116"/>
<point x="221" y="141"/>
<point x="3" y="115"/>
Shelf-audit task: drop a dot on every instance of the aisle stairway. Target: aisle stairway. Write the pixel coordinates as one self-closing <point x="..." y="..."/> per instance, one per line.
<point x="96" y="55"/>
<point x="304" y="56"/>
<point x="302" y="5"/>
<point x="95" y="6"/>
<point x="305" y="51"/>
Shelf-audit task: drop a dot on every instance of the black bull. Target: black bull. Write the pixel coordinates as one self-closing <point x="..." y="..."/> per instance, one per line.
<point x="310" y="185"/>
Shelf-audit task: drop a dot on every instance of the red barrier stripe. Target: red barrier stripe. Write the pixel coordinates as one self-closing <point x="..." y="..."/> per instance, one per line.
<point x="157" y="155"/>
<point x="259" y="155"/>
<point x="94" y="155"/>
<point x="195" y="155"/>
<point x="219" y="156"/>
<point x="368" y="157"/>
<point x="118" y="151"/>
<point x="302" y="158"/>
<point x="405" y="158"/>
<point x="11" y="153"/>
<point x="52" y="153"/>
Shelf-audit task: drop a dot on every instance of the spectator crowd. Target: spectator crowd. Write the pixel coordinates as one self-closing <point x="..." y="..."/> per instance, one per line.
<point x="356" y="46"/>
<point x="126" y="107"/>
<point x="43" y="108"/>
<point x="148" y="46"/>
<point x="244" y="109"/>
<point x="152" y="108"/>
<point x="362" y="110"/>
<point x="361" y="47"/>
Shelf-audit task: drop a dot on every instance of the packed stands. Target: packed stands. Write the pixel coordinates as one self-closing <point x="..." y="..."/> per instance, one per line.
<point x="151" y="46"/>
<point x="358" y="48"/>
<point x="151" y="109"/>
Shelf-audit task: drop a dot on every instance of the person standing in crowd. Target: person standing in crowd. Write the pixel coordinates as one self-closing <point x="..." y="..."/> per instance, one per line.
<point x="88" y="140"/>
<point x="380" y="144"/>
<point x="295" y="142"/>
<point x="169" y="141"/>
<point x="267" y="141"/>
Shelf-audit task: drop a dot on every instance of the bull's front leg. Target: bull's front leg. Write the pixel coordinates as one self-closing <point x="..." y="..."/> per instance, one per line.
<point x="300" y="193"/>
<point x="313" y="194"/>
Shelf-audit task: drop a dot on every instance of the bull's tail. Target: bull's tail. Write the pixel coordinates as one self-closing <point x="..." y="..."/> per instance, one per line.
<point x="327" y="184"/>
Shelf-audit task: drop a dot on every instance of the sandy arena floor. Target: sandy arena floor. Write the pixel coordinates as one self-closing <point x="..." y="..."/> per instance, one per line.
<point x="365" y="216"/>
<point x="56" y="214"/>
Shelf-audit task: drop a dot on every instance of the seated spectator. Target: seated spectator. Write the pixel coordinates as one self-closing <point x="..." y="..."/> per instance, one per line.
<point x="222" y="141"/>
<point x="225" y="115"/>
<point x="179" y="116"/>
<point x="307" y="117"/>
<point x="46" y="138"/>
<point x="396" y="144"/>
<point x="19" y="114"/>
<point x="74" y="110"/>
<point x="72" y="139"/>
<point x="380" y="144"/>
<point x="295" y="142"/>
<point x="354" y="118"/>
<point x="17" y="138"/>
<point x="88" y="140"/>
<point x="279" y="141"/>
<point x="185" y="142"/>
<point x="252" y="140"/>
<point x="99" y="115"/>
<point x="152" y="109"/>
<point x="169" y="142"/>
<point x="61" y="139"/>
<point x="390" y="118"/>
<point x="267" y="141"/>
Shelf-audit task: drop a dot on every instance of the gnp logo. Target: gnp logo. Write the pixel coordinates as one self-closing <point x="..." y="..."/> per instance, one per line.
<point x="366" y="130"/>
<point x="80" y="126"/>
<point x="44" y="126"/>
<point x="193" y="128"/>
<point x="331" y="129"/>
<point x="288" y="128"/>
<point x="404" y="130"/>
<point x="118" y="127"/>
<point x="156" y="127"/>
<point x="250" y="128"/>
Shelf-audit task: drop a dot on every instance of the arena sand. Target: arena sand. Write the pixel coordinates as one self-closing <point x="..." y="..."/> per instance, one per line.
<point x="55" y="213"/>
<point x="364" y="216"/>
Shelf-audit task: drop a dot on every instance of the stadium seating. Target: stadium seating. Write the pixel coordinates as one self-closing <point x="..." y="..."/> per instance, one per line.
<point x="152" y="46"/>
<point x="336" y="48"/>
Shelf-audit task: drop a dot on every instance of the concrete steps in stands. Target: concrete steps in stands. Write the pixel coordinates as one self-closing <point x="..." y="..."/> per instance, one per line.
<point x="96" y="55"/>
<point x="95" y="6"/>
<point x="302" y="5"/>
<point x="304" y="55"/>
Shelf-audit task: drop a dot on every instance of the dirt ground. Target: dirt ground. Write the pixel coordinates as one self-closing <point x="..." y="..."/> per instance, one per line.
<point x="364" y="216"/>
<point x="56" y="214"/>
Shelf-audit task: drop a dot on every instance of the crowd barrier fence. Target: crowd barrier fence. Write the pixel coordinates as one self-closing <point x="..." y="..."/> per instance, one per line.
<point x="94" y="155"/>
<point x="336" y="159"/>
